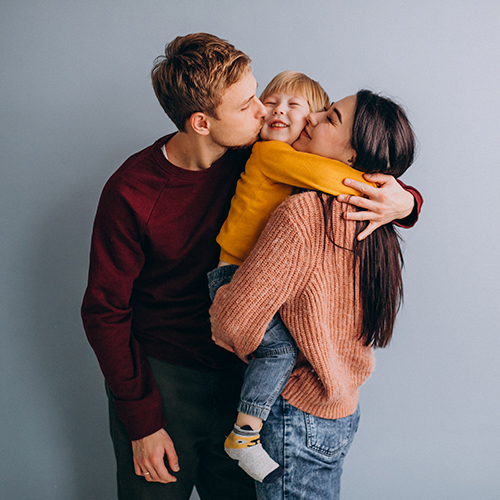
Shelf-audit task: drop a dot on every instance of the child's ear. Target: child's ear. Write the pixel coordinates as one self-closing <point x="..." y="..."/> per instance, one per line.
<point x="351" y="160"/>
<point x="199" y="123"/>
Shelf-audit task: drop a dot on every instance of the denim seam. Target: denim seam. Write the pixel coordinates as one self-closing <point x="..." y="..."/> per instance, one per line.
<point x="266" y="408"/>
<point x="281" y="350"/>
<point x="329" y="452"/>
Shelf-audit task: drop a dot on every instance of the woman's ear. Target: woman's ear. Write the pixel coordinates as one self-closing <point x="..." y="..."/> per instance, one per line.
<point x="199" y="123"/>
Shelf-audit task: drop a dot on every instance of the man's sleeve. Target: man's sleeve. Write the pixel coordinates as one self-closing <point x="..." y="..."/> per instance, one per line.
<point x="116" y="260"/>
<point x="412" y="219"/>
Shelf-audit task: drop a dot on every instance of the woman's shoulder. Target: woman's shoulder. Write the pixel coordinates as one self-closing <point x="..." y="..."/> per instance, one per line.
<point x="306" y="213"/>
<point x="308" y="202"/>
<point x="300" y="210"/>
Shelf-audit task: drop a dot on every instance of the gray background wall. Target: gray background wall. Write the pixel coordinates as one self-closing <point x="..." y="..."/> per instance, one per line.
<point x="76" y="101"/>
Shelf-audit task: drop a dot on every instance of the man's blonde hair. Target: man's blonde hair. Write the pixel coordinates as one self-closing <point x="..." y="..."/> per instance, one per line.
<point x="295" y="83"/>
<point x="194" y="73"/>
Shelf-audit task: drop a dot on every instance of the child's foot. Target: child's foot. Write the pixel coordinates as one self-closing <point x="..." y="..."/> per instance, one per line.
<point x="243" y="445"/>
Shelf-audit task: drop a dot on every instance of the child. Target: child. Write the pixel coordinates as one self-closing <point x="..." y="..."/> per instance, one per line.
<point x="271" y="173"/>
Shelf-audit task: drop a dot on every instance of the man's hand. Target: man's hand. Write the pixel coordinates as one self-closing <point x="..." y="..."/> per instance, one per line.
<point x="383" y="204"/>
<point x="149" y="455"/>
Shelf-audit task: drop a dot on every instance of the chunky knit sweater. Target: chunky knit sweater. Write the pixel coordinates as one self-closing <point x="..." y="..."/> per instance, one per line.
<point x="296" y="270"/>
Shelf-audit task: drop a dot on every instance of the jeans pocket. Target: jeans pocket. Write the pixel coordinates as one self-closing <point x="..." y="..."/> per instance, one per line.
<point x="331" y="438"/>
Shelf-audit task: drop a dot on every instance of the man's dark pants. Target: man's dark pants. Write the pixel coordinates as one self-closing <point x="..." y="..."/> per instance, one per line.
<point x="200" y="408"/>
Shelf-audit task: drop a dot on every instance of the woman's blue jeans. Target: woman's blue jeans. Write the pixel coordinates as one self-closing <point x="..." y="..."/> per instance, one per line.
<point x="272" y="363"/>
<point x="311" y="451"/>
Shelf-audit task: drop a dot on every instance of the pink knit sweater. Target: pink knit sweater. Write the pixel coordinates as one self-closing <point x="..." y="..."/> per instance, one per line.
<point x="296" y="270"/>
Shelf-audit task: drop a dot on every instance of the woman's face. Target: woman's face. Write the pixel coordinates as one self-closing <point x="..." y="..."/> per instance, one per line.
<point x="329" y="132"/>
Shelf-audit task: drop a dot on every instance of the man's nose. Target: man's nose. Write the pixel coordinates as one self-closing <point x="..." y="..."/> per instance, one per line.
<point x="261" y="111"/>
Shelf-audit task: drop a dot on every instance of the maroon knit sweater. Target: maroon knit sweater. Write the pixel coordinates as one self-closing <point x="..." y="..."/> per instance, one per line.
<point x="152" y="245"/>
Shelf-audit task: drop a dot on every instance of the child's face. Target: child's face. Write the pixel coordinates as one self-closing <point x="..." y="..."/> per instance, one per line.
<point x="285" y="119"/>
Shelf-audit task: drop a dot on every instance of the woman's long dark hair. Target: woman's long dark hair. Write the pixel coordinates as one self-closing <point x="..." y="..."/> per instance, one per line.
<point x="384" y="142"/>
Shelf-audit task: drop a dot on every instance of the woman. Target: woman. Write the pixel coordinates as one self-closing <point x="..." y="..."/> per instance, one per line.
<point x="337" y="296"/>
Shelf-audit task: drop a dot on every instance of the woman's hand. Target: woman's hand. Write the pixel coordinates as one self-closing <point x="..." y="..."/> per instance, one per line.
<point x="383" y="204"/>
<point x="221" y="343"/>
<point x="228" y="347"/>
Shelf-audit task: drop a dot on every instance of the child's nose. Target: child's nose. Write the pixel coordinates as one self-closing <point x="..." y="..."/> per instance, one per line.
<point x="279" y="110"/>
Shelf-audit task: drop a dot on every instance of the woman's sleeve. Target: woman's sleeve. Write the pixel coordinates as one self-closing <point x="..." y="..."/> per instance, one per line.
<point x="273" y="271"/>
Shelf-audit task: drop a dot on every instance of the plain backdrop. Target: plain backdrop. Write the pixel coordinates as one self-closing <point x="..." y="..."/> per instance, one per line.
<point x="76" y="101"/>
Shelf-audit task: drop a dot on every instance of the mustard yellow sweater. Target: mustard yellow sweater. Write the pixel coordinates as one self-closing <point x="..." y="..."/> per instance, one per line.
<point x="296" y="270"/>
<point x="272" y="171"/>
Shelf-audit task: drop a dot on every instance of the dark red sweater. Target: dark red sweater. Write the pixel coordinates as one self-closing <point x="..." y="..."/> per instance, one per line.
<point x="153" y="243"/>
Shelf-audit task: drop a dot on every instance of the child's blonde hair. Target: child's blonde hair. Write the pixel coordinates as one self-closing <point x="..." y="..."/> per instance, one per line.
<point x="295" y="83"/>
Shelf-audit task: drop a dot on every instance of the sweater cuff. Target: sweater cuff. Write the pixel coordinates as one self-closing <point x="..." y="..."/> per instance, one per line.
<point x="142" y="418"/>
<point x="411" y="219"/>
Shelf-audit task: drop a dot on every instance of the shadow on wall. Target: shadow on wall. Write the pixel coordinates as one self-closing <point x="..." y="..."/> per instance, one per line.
<point x="62" y="358"/>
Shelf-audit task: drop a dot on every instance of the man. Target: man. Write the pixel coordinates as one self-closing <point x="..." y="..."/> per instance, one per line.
<point x="172" y="391"/>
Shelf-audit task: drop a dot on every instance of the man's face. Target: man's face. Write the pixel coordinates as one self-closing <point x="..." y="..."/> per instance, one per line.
<point x="240" y="115"/>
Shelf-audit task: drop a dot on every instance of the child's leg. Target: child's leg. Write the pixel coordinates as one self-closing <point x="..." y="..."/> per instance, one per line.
<point x="265" y="377"/>
<point x="268" y="370"/>
<point x="218" y="277"/>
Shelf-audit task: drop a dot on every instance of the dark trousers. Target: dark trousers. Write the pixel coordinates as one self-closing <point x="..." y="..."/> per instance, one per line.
<point x="200" y="408"/>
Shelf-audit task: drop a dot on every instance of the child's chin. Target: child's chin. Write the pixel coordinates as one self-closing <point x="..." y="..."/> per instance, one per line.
<point x="275" y="136"/>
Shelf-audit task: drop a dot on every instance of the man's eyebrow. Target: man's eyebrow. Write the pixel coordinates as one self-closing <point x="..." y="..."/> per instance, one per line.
<point x="246" y="101"/>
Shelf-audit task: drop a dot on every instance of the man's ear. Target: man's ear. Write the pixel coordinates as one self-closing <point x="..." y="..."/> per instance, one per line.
<point x="199" y="123"/>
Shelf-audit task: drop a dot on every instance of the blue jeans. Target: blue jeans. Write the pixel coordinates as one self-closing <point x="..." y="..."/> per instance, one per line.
<point x="311" y="451"/>
<point x="272" y="363"/>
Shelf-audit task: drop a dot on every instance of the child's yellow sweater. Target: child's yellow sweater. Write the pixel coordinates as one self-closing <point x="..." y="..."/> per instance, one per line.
<point x="272" y="171"/>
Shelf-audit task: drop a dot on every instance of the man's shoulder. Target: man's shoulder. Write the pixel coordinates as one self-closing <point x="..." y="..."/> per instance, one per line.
<point x="136" y="185"/>
<point x="139" y="171"/>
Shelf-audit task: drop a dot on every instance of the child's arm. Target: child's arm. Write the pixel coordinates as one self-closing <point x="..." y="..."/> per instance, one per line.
<point x="384" y="198"/>
<point x="282" y="164"/>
